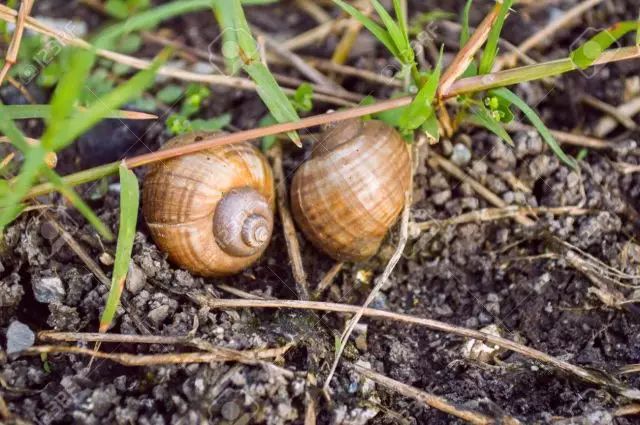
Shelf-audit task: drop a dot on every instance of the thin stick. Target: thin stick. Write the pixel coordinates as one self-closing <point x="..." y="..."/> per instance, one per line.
<point x="289" y="229"/>
<point x="404" y="236"/>
<point x="465" y="55"/>
<point x="491" y="214"/>
<point x="546" y="33"/>
<point x="488" y="195"/>
<point x="222" y="355"/>
<point x="121" y="338"/>
<point x="431" y="400"/>
<point x="565" y="138"/>
<point x="314" y="10"/>
<point x="611" y="110"/>
<point x="607" y="124"/>
<point x="327" y="279"/>
<point x="14" y="47"/>
<point x="579" y="372"/>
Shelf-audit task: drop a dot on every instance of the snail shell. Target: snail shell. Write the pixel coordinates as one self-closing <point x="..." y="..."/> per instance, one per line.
<point x="211" y="211"/>
<point x="352" y="189"/>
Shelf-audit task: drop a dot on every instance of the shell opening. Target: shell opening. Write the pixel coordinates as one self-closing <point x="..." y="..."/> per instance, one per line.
<point x="243" y="222"/>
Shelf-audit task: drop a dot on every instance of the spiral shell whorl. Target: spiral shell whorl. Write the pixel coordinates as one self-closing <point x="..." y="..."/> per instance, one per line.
<point x="183" y="196"/>
<point x="243" y="222"/>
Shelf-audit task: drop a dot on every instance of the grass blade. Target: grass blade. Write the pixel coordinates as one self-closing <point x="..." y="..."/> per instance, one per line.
<point x="397" y="36"/>
<point x="401" y="17"/>
<point x="104" y="106"/>
<point x="75" y="200"/>
<point x="590" y="51"/>
<point x="535" y="120"/>
<point x="268" y="89"/>
<point x="464" y="33"/>
<point x="380" y="33"/>
<point x="23" y="112"/>
<point x="129" y="202"/>
<point x="491" y="48"/>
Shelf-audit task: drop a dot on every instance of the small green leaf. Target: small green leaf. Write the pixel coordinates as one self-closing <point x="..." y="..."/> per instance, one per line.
<point x="491" y="48"/>
<point x="484" y="118"/>
<point x="129" y="200"/>
<point x="303" y="97"/>
<point x="117" y="8"/>
<point x="401" y="42"/>
<point x="585" y="55"/>
<point x="379" y="32"/>
<point x="535" y="120"/>
<point x="421" y="107"/>
<point x="170" y="94"/>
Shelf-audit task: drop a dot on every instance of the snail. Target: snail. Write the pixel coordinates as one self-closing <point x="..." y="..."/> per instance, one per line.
<point x="211" y="211"/>
<point x="352" y="189"/>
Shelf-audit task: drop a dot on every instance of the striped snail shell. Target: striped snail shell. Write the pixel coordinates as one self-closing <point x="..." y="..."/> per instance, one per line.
<point x="352" y="189"/>
<point x="211" y="211"/>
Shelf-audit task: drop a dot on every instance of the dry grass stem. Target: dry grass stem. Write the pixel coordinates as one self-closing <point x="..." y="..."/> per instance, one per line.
<point x="610" y="110"/>
<point x="565" y="138"/>
<point x="219" y="355"/>
<point x="288" y="227"/>
<point x="607" y="124"/>
<point x="314" y="10"/>
<point x="431" y="400"/>
<point x="596" y="378"/>
<point x="491" y="214"/>
<point x="14" y="46"/>
<point x="327" y="279"/>
<point x="464" y="57"/>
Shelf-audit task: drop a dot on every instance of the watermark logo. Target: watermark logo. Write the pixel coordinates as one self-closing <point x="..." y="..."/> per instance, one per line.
<point x="226" y="55"/>
<point x="591" y="50"/>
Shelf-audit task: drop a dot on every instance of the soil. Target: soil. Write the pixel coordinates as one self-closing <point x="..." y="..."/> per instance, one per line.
<point x="520" y="278"/>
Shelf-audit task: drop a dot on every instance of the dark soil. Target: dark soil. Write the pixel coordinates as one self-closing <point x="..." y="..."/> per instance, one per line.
<point x="474" y="275"/>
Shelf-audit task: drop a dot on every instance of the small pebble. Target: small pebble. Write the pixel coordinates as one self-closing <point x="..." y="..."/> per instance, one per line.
<point x="441" y="198"/>
<point x="158" y="315"/>
<point x="136" y="279"/>
<point x="19" y="337"/>
<point x="461" y="154"/>
<point x="48" y="289"/>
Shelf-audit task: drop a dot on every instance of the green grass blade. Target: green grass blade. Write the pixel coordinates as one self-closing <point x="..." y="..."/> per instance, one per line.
<point x="535" y="120"/>
<point x="129" y="202"/>
<point x="224" y="17"/>
<point x="585" y="55"/>
<point x="380" y="33"/>
<point x="268" y="89"/>
<point x="34" y="161"/>
<point x="401" y="17"/>
<point x="104" y="106"/>
<point x="464" y="33"/>
<point x="483" y="118"/>
<point x="75" y="200"/>
<point x="24" y="112"/>
<point x="398" y="37"/>
<point x="491" y="48"/>
<point x="421" y="107"/>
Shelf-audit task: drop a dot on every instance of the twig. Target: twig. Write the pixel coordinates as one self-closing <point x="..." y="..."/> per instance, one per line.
<point x="327" y="279"/>
<point x="431" y="400"/>
<point x="607" y="124"/>
<point x="546" y="33"/>
<point x="307" y="70"/>
<point x="565" y="138"/>
<point x="612" y="111"/>
<point x="491" y="197"/>
<point x="221" y="355"/>
<point x="14" y="47"/>
<point x="465" y="55"/>
<point x="490" y="214"/>
<point x="314" y="10"/>
<point x="402" y="242"/>
<point x="120" y="338"/>
<point x="290" y="235"/>
<point x="577" y="371"/>
<point x="315" y="34"/>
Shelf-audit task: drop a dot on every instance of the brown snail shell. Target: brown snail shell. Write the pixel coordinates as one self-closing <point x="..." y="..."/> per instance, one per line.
<point x="352" y="189"/>
<point x="211" y="211"/>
